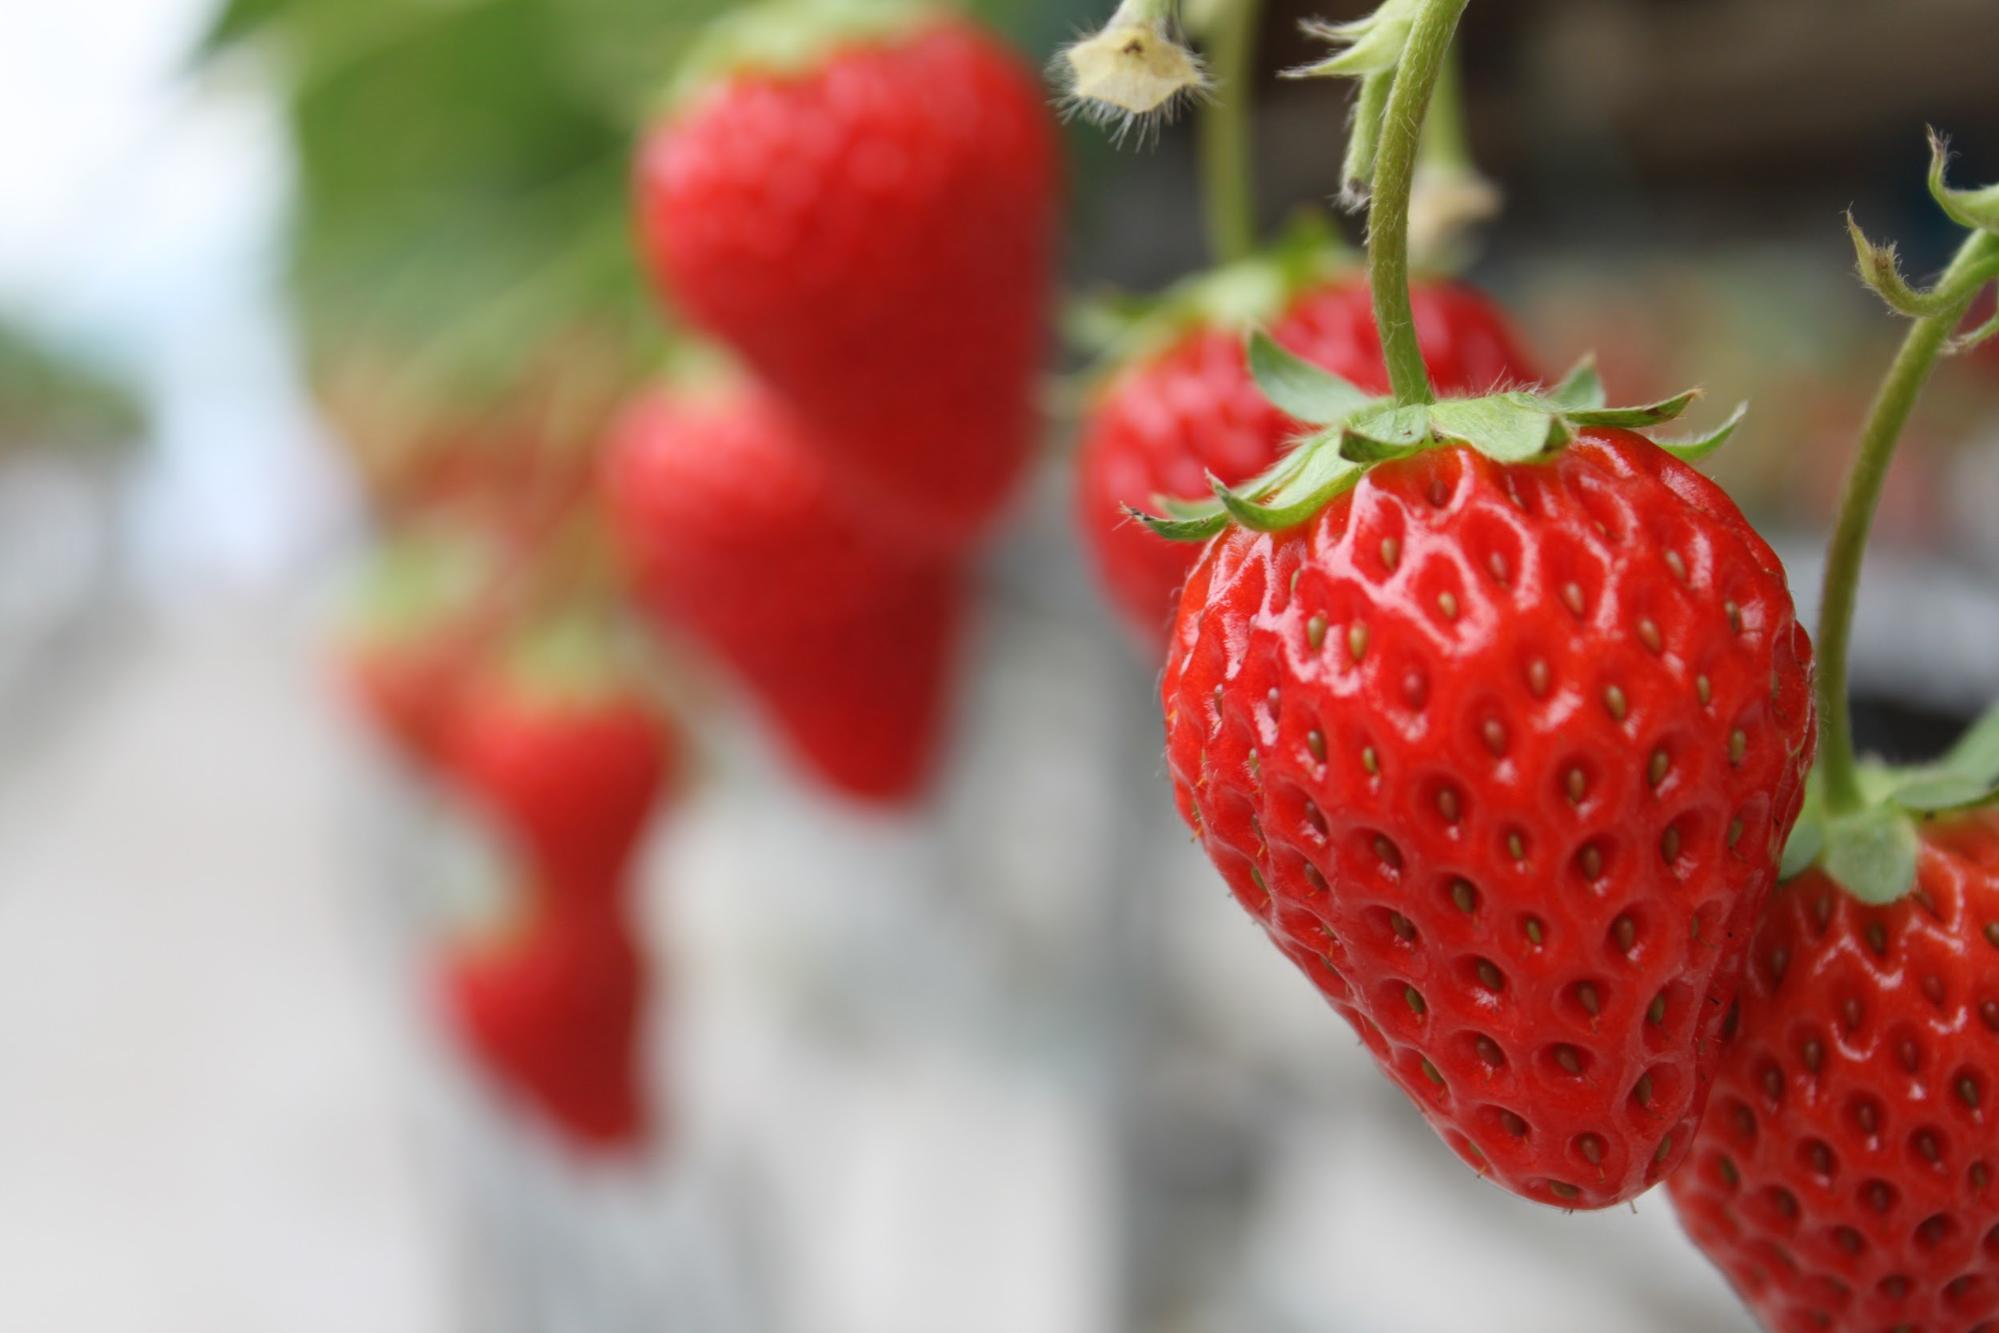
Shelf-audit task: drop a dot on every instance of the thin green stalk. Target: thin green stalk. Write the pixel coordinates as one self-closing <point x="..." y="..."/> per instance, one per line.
<point x="1892" y="408"/>
<point x="1394" y="179"/>
<point x="1227" y="169"/>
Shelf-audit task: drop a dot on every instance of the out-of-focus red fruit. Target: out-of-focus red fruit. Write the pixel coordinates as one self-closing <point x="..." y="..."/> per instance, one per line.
<point x="863" y="206"/>
<point x="414" y="635"/>
<point x="553" y="1017"/>
<point x="1167" y="422"/>
<point x="732" y="533"/>
<point x="559" y="743"/>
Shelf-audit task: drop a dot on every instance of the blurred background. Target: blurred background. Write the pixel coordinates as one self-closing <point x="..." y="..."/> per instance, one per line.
<point x="271" y="270"/>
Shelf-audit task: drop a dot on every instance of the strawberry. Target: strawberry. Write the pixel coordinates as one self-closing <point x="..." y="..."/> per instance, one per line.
<point x="1496" y="719"/>
<point x="419" y="620"/>
<point x="1845" y="1175"/>
<point x="563" y="751"/>
<point x="861" y="200"/>
<point x="553" y="1015"/>
<point x="732" y="532"/>
<point x="1179" y="413"/>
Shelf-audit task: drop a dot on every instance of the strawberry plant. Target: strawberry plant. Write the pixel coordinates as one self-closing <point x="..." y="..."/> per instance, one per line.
<point x="1844" y="1177"/>
<point x="1493" y="713"/>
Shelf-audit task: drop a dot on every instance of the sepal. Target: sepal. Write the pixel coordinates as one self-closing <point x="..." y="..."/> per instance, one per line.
<point x="1355" y="431"/>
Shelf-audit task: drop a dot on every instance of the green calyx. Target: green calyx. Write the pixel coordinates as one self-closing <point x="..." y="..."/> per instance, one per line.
<point x="576" y="658"/>
<point x="1118" y="331"/>
<point x="785" y="37"/>
<point x="1871" y="849"/>
<point x="412" y="583"/>
<point x="1354" y="431"/>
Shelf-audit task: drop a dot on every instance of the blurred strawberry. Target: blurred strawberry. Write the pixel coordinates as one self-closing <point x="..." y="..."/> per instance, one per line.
<point x="413" y="634"/>
<point x="861" y="200"/>
<point x="731" y="532"/>
<point x="553" y="1016"/>
<point x="559" y="743"/>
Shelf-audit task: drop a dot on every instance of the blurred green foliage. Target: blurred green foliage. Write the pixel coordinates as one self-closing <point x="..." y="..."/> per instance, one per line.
<point x="48" y="399"/>
<point x="463" y="170"/>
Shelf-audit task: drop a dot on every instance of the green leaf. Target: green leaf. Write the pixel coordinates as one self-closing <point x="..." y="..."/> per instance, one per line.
<point x="1967" y="775"/>
<point x="1693" y="448"/>
<point x="1502" y="428"/>
<point x="1802" y="849"/>
<point x="1324" y="475"/>
<point x="1976" y="209"/>
<point x="1872" y="853"/>
<point x="1976" y="754"/>
<point x="1634" y="418"/>
<point x="1385" y="433"/>
<point x="1182" y="529"/>
<point x="1932" y="792"/>
<point x="1581" y="390"/>
<point x="1300" y="389"/>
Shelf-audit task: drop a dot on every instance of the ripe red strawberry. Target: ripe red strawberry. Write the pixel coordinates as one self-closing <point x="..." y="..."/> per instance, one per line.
<point x="1845" y="1175"/>
<point x="423" y="614"/>
<point x="732" y="533"/>
<point x="1502" y="757"/>
<point x="1166" y="422"/>
<point x="554" y="1017"/>
<point x="564" y="751"/>
<point x="871" y="226"/>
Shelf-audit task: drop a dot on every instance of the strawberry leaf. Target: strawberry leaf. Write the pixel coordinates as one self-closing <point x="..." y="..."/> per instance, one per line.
<point x="1977" y="751"/>
<point x="1802" y="849"/>
<point x="1324" y="475"/>
<point x="1300" y="389"/>
<point x="1693" y="448"/>
<point x="1634" y="418"/>
<point x="1872" y="853"/>
<point x="1581" y="390"/>
<point x="1385" y="433"/>
<point x="1506" y="429"/>
<point x="1967" y="775"/>
<point x="1187" y="529"/>
<point x="1936" y="792"/>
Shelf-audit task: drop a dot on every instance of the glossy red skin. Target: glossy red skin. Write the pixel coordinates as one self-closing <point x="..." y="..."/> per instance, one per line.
<point x="875" y="236"/>
<point x="554" y="1018"/>
<point x="1422" y="696"/>
<point x="1161" y="426"/>
<point x="1898" y="1028"/>
<point x="731" y="531"/>
<point x="572" y="782"/>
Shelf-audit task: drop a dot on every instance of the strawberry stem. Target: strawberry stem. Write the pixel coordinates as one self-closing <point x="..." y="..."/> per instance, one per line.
<point x="1893" y="405"/>
<point x="1227" y="145"/>
<point x="1394" y="180"/>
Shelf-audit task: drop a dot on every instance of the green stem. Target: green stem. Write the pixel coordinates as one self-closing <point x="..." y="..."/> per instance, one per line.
<point x="1227" y="171"/>
<point x="1892" y="408"/>
<point x="1394" y="179"/>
